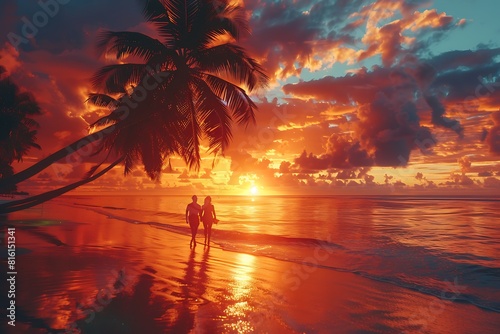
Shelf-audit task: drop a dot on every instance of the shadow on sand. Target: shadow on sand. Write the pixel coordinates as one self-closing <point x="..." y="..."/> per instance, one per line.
<point x="140" y="311"/>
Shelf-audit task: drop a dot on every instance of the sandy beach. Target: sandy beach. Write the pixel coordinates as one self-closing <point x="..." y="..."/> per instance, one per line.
<point x="79" y="270"/>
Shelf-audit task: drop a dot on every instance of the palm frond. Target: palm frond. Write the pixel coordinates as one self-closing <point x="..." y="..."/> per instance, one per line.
<point x="170" y="35"/>
<point x="181" y="13"/>
<point x="218" y="19"/>
<point x="232" y="60"/>
<point x="240" y="104"/>
<point x="115" y="78"/>
<point x="27" y="104"/>
<point x="103" y="122"/>
<point x="151" y="157"/>
<point x="162" y="61"/>
<point x="124" y="144"/>
<point x="112" y="118"/>
<point x="124" y="43"/>
<point x="213" y="116"/>
<point x="153" y="10"/>
<point x="238" y="20"/>
<point x="32" y="140"/>
<point x="102" y="100"/>
<point x="30" y="123"/>
<point x="189" y="125"/>
<point x="35" y="145"/>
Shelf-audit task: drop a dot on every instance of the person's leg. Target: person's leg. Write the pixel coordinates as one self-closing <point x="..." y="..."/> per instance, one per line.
<point x="209" y="231"/>
<point x="195" y="232"/>
<point x="205" y="232"/>
<point x="191" y="241"/>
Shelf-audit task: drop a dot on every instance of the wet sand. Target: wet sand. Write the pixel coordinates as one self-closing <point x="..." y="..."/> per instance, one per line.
<point x="80" y="270"/>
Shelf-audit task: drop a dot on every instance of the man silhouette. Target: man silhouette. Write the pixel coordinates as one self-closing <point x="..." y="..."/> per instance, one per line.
<point x="193" y="213"/>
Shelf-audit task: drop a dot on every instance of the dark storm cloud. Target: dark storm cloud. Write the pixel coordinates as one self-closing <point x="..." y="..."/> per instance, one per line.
<point x="450" y="77"/>
<point x="438" y="115"/>
<point x="287" y="34"/>
<point x="468" y="84"/>
<point x="342" y="152"/>
<point x="454" y="60"/>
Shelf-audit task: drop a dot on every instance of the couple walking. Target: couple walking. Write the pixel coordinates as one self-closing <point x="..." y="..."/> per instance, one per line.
<point x="195" y="212"/>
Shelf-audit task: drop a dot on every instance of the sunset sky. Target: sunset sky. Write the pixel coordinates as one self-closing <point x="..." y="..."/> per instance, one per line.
<point x="366" y="97"/>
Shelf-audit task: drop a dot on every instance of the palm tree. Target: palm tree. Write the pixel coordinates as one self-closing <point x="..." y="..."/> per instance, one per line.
<point x="17" y="128"/>
<point x="204" y="79"/>
<point x="201" y="96"/>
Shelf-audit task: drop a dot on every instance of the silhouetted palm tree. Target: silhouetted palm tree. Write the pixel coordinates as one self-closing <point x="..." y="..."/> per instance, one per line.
<point x="201" y="94"/>
<point x="188" y="86"/>
<point x="17" y="128"/>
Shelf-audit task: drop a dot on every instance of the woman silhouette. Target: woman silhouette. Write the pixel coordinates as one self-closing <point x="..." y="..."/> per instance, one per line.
<point x="208" y="217"/>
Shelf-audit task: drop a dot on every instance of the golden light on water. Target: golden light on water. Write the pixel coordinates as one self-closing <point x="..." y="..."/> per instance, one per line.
<point x="243" y="275"/>
<point x="240" y="289"/>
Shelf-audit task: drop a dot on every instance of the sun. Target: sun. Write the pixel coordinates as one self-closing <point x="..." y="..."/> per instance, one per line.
<point x="254" y="190"/>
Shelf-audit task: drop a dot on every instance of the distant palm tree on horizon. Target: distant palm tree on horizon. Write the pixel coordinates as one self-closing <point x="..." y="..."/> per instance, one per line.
<point x="198" y="98"/>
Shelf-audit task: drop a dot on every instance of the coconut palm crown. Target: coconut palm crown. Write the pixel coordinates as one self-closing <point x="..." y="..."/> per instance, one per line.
<point x="189" y="84"/>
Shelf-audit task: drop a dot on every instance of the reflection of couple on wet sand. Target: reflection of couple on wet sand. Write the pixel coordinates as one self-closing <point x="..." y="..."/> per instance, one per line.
<point x="205" y="213"/>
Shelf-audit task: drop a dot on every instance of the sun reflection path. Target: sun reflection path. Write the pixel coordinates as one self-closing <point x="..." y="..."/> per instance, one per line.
<point x="240" y="288"/>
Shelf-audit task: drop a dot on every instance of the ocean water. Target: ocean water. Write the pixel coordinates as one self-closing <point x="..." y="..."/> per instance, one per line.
<point x="418" y="243"/>
<point x="447" y="248"/>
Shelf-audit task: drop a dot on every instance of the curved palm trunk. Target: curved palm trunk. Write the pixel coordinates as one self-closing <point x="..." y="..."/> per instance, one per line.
<point x="38" y="199"/>
<point x="10" y="181"/>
